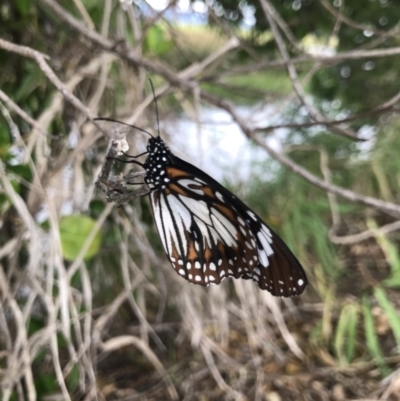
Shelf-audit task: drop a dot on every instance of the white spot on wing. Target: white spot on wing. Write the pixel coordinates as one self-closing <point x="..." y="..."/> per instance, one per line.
<point x="263" y="257"/>
<point x="252" y="215"/>
<point x="266" y="247"/>
<point x="241" y="221"/>
<point x="219" y="196"/>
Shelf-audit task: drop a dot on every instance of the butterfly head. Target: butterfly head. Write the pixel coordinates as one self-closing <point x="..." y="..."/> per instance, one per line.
<point x="157" y="160"/>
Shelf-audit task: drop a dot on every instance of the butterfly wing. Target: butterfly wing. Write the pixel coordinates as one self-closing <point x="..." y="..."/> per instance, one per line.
<point x="209" y="234"/>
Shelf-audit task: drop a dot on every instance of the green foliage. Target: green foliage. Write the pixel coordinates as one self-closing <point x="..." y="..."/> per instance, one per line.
<point x="345" y="341"/>
<point x="390" y="311"/>
<point x="73" y="378"/>
<point x="74" y="230"/>
<point x="33" y="78"/>
<point x="244" y="89"/>
<point x="372" y="341"/>
<point x="46" y="383"/>
<point x="344" y="81"/>
<point x="23" y="6"/>
<point x="391" y="253"/>
<point x="158" y="42"/>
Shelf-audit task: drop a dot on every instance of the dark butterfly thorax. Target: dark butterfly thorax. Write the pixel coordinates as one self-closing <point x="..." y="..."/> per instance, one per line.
<point x="158" y="159"/>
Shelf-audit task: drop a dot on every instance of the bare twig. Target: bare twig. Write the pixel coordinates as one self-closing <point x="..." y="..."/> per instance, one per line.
<point x="323" y="59"/>
<point x="13" y="106"/>
<point x="41" y="61"/>
<point x="315" y="114"/>
<point x="367" y="234"/>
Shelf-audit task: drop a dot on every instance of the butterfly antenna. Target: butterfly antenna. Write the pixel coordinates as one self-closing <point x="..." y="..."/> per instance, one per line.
<point x="120" y="122"/>
<point x="155" y="101"/>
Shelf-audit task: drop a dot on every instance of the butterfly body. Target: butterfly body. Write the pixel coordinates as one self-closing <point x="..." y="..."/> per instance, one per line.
<point x="209" y="234"/>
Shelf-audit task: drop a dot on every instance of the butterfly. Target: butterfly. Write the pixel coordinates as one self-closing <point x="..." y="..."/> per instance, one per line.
<point x="208" y="233"/>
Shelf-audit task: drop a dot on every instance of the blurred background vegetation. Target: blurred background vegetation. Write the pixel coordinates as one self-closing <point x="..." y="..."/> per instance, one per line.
<point x="90" y="308"/>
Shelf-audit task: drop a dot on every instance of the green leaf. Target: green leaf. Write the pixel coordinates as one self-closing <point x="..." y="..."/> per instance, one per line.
<point x="345" y="338"/>
<point x="389" y="249"/>
<point x="390" y="311"/>
<point x="5" y="138"/>
<point x="393" y="281"/>
<point x="23" y="6"/>
<point x="73" y="378"/>
<point x="22" y="170"/>
<point x="157" y="42"/>
<point x="372" y="338"/>
<point x="90" y="4"/>
<point x="74" y="230"/>
<point x="32" y="79"/>
<point x="45" y="383"/>
<point x="352" y="332"/>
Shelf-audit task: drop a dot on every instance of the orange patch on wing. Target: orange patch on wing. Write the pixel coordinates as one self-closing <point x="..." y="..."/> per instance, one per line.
<point x="208" y="191"/>
<point x="192" y="254"/>
<point x="221" y="248"/>
<point x="226" y="211"/>
<point x="174" y="252"/>
<point x="173" y="173"/>
<point x="207" y="254"/>
<point x="177" y="189"/>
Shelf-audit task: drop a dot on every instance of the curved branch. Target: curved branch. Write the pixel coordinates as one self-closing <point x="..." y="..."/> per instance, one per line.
<point x="174" y="79"/>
